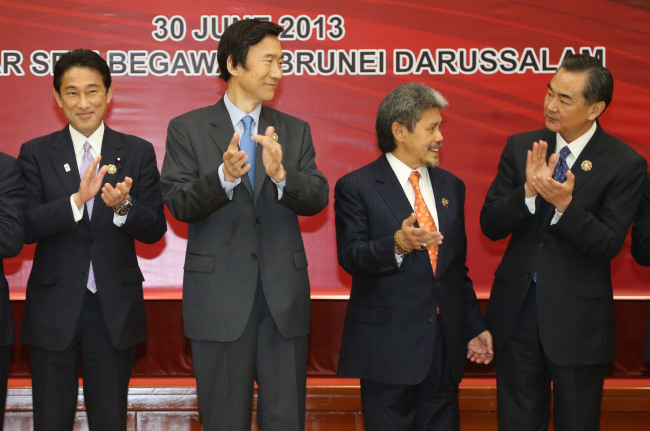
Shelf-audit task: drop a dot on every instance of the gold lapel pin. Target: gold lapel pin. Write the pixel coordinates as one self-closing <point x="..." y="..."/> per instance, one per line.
<point x="275" y="137"/>
<point x="445" y="202"/>
<point x="112" y="169"/>
<point x="586" y="165"/>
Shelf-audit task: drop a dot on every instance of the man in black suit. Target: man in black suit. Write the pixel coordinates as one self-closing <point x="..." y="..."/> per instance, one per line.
<point x="12" y="202"/>
<point x="641" y="248"/>
<point x="413" y="317"/>
<point x="246" y="305"/>
<point x="567" y="213"/>
<point x="84" y="293"/>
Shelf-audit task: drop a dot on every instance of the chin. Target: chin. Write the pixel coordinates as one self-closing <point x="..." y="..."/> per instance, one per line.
<point x="432" y="163"/>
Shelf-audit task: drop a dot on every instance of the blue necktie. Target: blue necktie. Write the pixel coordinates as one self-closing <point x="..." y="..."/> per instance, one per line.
<point x="247" y="144"/>
<point x="562" y="167"/>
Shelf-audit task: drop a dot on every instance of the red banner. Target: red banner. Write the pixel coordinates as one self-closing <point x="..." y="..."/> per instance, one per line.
<point x="490" y="59"/>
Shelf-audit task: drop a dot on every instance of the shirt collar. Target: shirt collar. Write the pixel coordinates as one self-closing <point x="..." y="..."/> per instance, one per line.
<point x="403" y="171"/>
<point x="95" y="140"/>
<point x="577" y="145"/>
<point x="237" y="114"/>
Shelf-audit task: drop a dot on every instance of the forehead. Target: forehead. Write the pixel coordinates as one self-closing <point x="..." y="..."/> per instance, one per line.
<point x="81" y="77"/>
<point x="430" y="117"/>
<point x="569" y="83"/>
<point x="268" y="47"/>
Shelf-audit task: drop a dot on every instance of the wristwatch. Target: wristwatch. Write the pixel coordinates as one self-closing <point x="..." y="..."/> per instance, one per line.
<point x="124" y="208"/>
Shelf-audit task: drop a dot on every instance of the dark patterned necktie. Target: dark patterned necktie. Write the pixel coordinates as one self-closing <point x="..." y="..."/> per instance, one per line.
<point x="562" y="167"/>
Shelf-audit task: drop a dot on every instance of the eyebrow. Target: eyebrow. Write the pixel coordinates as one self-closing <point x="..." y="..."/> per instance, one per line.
<point x="74" y="87"/>
<point x="567" y="96"/>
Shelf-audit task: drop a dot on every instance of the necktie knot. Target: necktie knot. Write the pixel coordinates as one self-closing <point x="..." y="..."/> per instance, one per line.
<point x="414" y="178"/>
<point x="247" y="121"/>
<point x="564" y="152"/>
<point x="247" y="145"/>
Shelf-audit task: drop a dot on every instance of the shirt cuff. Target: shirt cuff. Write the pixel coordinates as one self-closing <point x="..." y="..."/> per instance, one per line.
<point x="228" y="186"/>
<point x="119" y="220"/>
<point x="77" y="212"/>
<point x="280" y="187"/>
<point x="530" y="203"/>
<point x="556" y="217"/>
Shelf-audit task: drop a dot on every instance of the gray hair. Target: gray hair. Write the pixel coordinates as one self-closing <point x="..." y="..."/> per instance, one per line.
<point x="404" y="105"/>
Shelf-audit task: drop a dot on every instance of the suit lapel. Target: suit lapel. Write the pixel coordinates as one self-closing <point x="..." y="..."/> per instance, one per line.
<point x="443" y="198"/>
<point x="64" y="161"/>
<point x="112" y="154"/>
<point x="221" y="132"/>
<point x="391" y="190"/>
<point x="266" y="120"/>
<point x="587" y="164"/>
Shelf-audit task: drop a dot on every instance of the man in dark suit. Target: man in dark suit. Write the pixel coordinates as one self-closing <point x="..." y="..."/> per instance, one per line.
<point x="84" y="293"/>
<point x="641" y="248"/>
<point x="551" y="308"/>
<point x="12" y="202"/>
<point x="246" y="305"/>
<point x="413" y="317"/>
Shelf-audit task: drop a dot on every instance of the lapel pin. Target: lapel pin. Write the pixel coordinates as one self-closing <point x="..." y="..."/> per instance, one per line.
<point x="586" y="165"/>
<point x="445" y="202"/>
<point x="66" y="167"/>
<point x="112" y="169"/>
<point x="275" y="137"/>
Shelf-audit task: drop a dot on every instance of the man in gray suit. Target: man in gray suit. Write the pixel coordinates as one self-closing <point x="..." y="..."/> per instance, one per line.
<point x="240" y="174"/>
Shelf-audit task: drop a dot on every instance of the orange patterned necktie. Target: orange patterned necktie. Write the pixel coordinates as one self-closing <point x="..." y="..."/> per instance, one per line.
<point x="425" y="220"/>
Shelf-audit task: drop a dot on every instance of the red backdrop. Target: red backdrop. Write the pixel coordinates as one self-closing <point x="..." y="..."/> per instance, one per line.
<point x="491" y="59"/>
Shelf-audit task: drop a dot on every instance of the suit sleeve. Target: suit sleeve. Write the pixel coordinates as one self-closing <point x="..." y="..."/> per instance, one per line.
<point x="306" y="191"/>
<point x="600" y="235"/>
<point x="473" y="316"/>
<point x="12" y="201"/>
<point x="504" y="208"/>
<point x="189" y="197"/>
<point x="146" y="220"/>
<point x="358" y="253"/>
<point x="641" y="229"/>
<point x="43" y="219"/>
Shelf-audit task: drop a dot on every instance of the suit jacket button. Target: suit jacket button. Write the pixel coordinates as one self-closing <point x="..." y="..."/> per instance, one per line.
<point x="84" y="274"/>
<point x="258" y="221"/>
<point x="432" y="319"/>
<point x="528" y="276"/>
<point x="253" y="256"/>
<point x="542" y="243"/>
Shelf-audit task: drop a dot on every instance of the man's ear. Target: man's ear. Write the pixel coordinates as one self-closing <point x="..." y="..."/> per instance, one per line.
<point x="234" y="70"/>
<point x="57" y="97"/>
<point x="109" y="94"/>
<point x="596" y="109"/>
<point x="398" y="131"/>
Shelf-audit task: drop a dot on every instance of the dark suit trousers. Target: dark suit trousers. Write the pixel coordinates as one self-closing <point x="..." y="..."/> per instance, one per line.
<point x="225" y="375"/>
<point x="106" y="374"/>
<point x="524" y="376"/>
<point x="429" y="406"/>
<point x="5" y="356"/>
